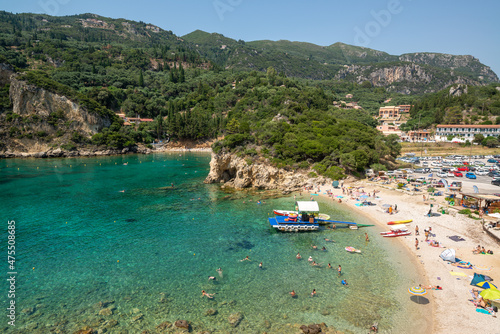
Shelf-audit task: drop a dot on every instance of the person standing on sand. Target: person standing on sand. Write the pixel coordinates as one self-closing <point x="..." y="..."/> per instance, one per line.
<point x="416" y="230"/>
<point x="416" y="243"/>
<point x="423" y="197"/>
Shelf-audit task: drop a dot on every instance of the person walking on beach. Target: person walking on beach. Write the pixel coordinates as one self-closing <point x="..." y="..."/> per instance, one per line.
<point x="339" y="270"/>
<point x="416" y="230"/>
<point x="416" y="243"/>
<point x="366" y="237"/>
<point x="395" y="208"/>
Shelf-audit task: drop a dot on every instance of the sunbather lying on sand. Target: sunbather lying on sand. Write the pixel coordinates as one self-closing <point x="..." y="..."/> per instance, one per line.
<point x="431" y="287"/>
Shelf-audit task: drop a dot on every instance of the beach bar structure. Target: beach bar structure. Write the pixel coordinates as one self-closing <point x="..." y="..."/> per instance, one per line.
<point x="486" y="201"/>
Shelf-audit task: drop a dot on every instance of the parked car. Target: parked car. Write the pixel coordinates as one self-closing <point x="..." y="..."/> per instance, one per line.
<point x="494" y="173"/>
<point x="420" y="170"/>
<point x="442" y="174"/>
<point x="492" y="161"/>
<point x="450" y="174"/>
<point x="470" y="176"/>
<point x="481" y="173"/>
<point x="463" y="169"/>
<point x="496" y="182"/>
<point x="458" y="174"/>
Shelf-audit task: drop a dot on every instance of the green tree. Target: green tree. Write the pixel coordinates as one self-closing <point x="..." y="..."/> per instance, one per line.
<point x="141" y="80"/>
<point x="491" y="142"/>
<point x="478" y="138"/>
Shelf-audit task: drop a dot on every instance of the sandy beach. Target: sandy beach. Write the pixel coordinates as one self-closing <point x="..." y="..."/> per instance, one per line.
<point x="451" y="308"/>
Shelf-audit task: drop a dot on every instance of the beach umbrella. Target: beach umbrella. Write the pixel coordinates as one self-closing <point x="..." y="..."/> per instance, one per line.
<point x="417" y="291"/>
<point x="490" y="294"/>
<point x="486" y="285"/>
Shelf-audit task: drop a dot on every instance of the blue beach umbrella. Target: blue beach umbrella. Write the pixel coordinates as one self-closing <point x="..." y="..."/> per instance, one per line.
<point x="486" y="285"/>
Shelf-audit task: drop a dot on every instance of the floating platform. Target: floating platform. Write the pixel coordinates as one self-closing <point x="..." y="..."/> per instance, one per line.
<point x="283" y="225"/>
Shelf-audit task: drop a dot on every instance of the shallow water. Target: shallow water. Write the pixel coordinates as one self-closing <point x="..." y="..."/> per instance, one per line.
<point x="150" y="249"/>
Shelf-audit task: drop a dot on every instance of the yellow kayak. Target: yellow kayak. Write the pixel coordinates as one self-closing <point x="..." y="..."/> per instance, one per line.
<point x="400" y="222"/>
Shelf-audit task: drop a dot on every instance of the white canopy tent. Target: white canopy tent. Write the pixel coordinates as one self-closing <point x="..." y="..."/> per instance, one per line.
<point x="307" y="206"/>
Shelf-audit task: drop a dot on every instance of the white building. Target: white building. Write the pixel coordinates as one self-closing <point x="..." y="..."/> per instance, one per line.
<point x="462" y="133"/>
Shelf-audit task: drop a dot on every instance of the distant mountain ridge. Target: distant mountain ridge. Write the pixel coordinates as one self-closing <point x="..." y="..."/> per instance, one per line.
<point x="342" y="61"/>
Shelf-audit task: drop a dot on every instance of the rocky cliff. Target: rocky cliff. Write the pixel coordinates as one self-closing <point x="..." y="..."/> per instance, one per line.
<point x="405" y="78"/>
<point x="235" y="172"/>
<point x="40" y="120"/>
<point x="29" y="100"/>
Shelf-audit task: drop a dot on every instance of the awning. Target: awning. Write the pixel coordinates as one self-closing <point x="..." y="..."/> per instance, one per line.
<point x="307" y="206"/>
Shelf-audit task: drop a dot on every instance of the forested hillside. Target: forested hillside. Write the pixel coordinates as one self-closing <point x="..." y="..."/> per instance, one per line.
<point x="110" y="66"/>
<point x="409" y="73"/>
<point x="459" y="104"/>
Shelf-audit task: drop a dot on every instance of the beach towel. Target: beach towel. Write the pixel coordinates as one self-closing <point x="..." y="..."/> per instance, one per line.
<point x="482" y="310"/>
<point x="454" y="273"/>
<point x="456" y="238"/>
<point x="483" y="268"/>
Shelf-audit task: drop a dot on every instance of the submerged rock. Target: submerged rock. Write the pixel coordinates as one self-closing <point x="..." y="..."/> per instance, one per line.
<point x="164" y="325"/>
<point x="106" y="311"/>
<point x="182" y="324"/>
<point x="235" y="319"/>
<point x="210" y="312"/>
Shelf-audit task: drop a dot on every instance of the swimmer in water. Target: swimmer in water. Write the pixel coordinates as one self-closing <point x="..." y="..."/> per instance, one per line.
<point x="122" y="191"/>
<point x="310" y="259"/>
<point x="246" y="259"/>
<point x="344" y="282"/>
<point x="293" y="293"/>
<point x="313" y="293"/>
<point x="260" y="265"/>
<point x="329" y="266"/>
<point x="219" y="271"/>
<point x="211" y="278"/>
<point x="298" y="256"/>
<point x="323" y="249"/>
<point x="208" y="295"/>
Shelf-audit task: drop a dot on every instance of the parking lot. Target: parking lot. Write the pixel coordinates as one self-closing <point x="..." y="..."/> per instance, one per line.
<point x="452" y="163"/>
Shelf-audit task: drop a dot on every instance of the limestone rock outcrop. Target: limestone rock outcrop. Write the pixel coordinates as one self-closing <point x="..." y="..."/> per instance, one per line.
<point x="235" y="172"/>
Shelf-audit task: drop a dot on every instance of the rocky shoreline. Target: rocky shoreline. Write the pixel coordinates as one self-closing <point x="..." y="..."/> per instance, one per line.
<point x="94" y="152"/>
<point x="239" y="173"/>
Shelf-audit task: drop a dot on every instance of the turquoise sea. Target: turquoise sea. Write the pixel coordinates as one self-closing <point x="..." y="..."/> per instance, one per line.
<point x="113" y="230"/>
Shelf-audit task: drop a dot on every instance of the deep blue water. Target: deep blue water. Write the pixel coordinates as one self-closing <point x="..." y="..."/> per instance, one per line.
<point x="97" y="229"/>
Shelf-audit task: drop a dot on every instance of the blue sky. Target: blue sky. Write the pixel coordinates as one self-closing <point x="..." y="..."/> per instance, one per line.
<point x="393" y="26"/>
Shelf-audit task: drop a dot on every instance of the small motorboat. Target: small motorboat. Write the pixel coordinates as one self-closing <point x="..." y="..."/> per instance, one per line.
<point x="400" y="222"/>
<point x="352" y="249"/>
<point x="284" y="212"/>
<point x="395" y="230"/>
<point x="396" y="234"/>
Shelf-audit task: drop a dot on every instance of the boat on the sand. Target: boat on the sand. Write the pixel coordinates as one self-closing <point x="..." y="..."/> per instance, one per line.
<point x="400" y="222"/>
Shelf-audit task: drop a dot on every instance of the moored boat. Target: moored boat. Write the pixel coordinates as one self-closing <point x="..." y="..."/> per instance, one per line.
<point x="396" y="234"/>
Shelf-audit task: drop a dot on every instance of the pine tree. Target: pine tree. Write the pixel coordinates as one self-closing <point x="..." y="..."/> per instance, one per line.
<point x="141" y="80"/>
